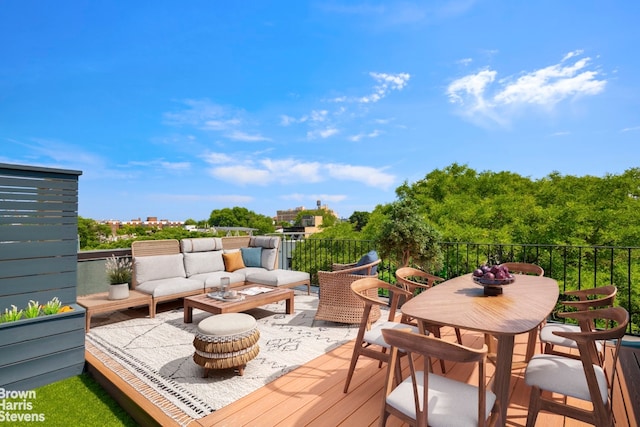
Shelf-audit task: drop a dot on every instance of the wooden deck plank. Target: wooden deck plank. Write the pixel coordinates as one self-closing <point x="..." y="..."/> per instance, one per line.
<point x="312" y="395"/>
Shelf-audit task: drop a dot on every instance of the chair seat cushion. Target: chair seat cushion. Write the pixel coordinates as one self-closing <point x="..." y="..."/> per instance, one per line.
<point x="563" y="375"/>
<point x="374" y="335"/>
<point x="547" y="335"/>
<point x="451" y="403"/>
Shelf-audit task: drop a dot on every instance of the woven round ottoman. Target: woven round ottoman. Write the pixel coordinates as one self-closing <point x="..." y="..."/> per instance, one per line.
<point x="225" y="341"/>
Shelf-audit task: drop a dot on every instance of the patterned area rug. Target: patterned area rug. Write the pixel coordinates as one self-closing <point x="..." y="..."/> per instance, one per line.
<point x="158" y="353"/>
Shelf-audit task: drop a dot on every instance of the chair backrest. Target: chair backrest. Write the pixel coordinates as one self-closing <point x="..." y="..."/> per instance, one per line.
<point x="617" y="318"/>
<point x="524" y="268"/>
<point x="412" y="278"/>
<point x="364" y="289"/>
<point x="605" y="297"/>
<point x="415" y="345"/>
<point x="363" y="269"/>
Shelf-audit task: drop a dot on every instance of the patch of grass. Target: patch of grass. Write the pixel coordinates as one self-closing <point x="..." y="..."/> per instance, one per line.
<point x="75" y="401"/>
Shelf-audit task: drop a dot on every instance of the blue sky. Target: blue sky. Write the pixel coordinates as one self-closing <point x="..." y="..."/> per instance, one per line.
<point x="173" y="109"/>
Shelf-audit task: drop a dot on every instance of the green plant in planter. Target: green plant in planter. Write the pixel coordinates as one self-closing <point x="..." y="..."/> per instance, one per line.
<point x="11" y="315"/>
<point x="52" y="307"/>
<point x="32" y="310"/>
<point x="118" y="270"/>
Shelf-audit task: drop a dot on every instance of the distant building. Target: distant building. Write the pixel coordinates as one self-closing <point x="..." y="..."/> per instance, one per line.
<point x="290" y="215"/>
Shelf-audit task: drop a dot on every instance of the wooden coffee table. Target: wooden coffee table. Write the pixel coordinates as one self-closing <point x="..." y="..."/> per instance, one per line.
<point x="215" y="306"/>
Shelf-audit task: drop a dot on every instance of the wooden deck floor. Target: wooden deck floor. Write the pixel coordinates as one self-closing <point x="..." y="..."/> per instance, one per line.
<point x="312" y="395"/>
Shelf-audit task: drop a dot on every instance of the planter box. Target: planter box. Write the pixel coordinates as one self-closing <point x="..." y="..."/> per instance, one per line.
<point x="35" y="352"/>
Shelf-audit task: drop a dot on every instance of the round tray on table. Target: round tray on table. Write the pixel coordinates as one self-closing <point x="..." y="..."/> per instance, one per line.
<point x="493" y="287"/>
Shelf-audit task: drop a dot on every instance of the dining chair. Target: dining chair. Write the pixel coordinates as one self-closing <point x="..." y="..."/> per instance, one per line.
<point x="583" y="379"/>
<point x="604" y="297"/>
<point x="369" y="341"/>
<point x="336" y="301"/>
<point x="412" y="279"/>
<point x="428" y="399"/>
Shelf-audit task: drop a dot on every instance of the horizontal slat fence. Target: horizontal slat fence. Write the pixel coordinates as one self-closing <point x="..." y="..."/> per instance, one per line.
<point x="38" y="261"/>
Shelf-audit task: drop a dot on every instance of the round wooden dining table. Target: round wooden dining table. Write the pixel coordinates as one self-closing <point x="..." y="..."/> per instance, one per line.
<point x="461" y="303"/>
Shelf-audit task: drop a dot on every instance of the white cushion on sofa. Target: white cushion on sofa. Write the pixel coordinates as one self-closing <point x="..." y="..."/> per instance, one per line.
<point x="267" y="242"/>
<point x="269" y="257"/>
<point x="201" y="244"/>
<point x="158" y="267"/>
<point x="212" y="280"/>
<point x="170" y="286"/>
<point x="278" y="277"/>
<point x="203" y="262"/>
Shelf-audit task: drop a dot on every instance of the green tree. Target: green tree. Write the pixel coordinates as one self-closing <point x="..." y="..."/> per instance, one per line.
<point x="241" y="217"/>
<point x="91" y="233"/>
<point x="359" y="219"/>
<point x="406" y="236"/>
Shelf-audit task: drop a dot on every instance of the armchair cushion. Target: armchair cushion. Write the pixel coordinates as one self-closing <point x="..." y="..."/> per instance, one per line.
<point x="367" y="258"/>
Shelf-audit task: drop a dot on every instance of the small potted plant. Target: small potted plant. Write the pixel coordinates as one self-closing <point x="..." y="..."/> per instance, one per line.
<point x="119" y="274"/>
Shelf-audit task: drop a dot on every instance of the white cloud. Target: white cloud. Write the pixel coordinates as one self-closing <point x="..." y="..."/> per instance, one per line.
<point x="241" y="174"/>
<point x="175" y="166"/>
<point x="284" y="171"/>
<point x="386" y="83"/>
<point x="631" y="129"/>
<point x="243" y="136"/>
<point x="203" y="114"/>
<point x="544" y="88"/>
<point x="216" y="158"/>
<point x="364" y="174"/>
<point x="359" y="136"/>
<point x="321" y="133"/>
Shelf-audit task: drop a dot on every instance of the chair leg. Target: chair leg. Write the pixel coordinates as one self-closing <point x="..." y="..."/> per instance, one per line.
<point x="458" y="336"/>
<point x="352" y="366"/>
<point x="534" y="406"/>
<point x="436" y="332"/>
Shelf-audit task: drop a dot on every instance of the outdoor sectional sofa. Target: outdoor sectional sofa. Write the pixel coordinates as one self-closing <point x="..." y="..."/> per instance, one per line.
<point x="172" y="269"/>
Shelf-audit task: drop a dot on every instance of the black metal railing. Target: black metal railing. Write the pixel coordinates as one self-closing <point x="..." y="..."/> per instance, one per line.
<point x="573" y="267"/>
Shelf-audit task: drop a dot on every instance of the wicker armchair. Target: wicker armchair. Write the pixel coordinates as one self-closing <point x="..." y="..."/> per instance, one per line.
<point x="336" y="301"/>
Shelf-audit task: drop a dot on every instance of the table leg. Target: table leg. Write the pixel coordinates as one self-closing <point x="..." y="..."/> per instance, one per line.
<point x="503" y="374"/>
<point x="188" y="313"/>
<point x="289" y="303"/>
<point x="88" y="320"/>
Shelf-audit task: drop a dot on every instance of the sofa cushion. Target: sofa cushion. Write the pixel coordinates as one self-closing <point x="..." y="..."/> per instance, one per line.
<point x="171" y="286"/>
<point x="212" y="280"/>
<point x="201" y="244"/>
<point x="367" y="258"/>
<point x="278" y="277"/>
<point x="203" y="262"/>
<point x="267" y="242"/>
<point x="252" y="257"/>
<point x="269" y="257"/>
<point x="233" y="261"/>
<point x="158" y="267"/>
